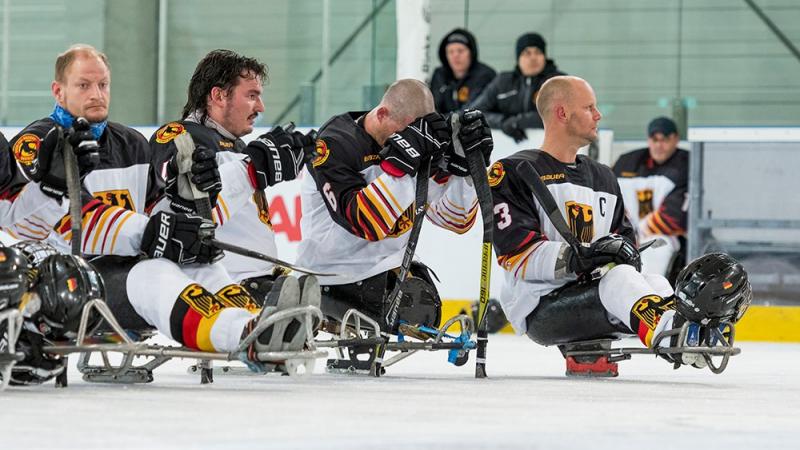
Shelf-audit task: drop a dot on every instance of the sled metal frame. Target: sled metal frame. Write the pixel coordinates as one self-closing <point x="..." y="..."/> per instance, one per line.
<point x="126" y="372"/>
<point x="369" y="336"/>
<point x="10" y="357"/>
<point x="724" y="349"/>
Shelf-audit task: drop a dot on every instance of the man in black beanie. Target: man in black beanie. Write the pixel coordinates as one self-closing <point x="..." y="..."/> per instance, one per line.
<point x="509" y="101"/>
<point x="461" y="77"/>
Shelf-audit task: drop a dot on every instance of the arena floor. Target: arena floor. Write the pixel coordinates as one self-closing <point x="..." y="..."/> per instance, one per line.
<point x="423" y="402"/>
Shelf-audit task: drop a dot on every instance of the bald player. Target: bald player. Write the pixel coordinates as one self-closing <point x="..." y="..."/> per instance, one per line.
<point x="358" y="203"/>
<point x="549" y="292"/>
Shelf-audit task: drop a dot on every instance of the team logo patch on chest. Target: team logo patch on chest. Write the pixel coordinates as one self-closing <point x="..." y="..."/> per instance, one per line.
<point x="645" y="197"/>
<point x="169" y="132"/>
<point x="116" y="197"/>
<point x="581" y="220"/>
<point x="26" y="148"/>
<point x="496" y="174"/>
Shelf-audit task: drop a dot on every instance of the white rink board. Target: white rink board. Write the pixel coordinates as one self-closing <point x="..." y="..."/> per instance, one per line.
<point x="425" y="403"/>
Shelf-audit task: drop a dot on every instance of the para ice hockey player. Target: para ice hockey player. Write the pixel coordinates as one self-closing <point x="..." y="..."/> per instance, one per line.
<point x="548" y="292"/>
<point x="177" y="289"/>
<point x="358" y="203"/>
<point x="220" y="110"/>
<point x="654" y="185"/>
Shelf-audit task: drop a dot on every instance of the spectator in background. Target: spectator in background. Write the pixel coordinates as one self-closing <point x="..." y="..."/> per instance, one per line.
<point x="461" y="77"/>
<point x="654" y="183"/>
<point x="509" y="102"/>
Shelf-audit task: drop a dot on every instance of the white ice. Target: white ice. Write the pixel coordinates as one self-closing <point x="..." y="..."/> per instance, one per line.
<point x="425" y="403"/>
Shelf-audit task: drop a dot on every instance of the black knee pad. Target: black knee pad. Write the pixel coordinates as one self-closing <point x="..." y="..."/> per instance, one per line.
<point x="572" y="313"/>
<point x="114" y="270"/>
<point x="420" y="304"/>
<point x="366" y="296"/>
<point x="259" y="287"/>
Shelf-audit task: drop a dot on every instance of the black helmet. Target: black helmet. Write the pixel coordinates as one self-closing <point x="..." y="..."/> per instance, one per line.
<point x="712" y="289"/>
<point x="13" y="277"/>
<point x="35" y="252"/>
<point x="65" y="284"/>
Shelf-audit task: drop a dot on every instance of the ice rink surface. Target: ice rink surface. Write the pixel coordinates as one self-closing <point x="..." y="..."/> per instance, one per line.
<point x="425" y="403"/>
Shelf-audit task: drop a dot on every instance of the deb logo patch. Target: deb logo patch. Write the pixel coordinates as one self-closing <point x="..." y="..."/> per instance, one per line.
<point x="581" y="220"/>
<point x="235" y="296"/>
<point x="496" y="174"/>
<point x="26" y="148"/>
<point x="200" y="300"/>
<point x="322" y="153"/>
<point x="169" y="132"/>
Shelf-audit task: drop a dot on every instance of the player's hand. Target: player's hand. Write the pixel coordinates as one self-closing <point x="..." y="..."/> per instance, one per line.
<point x="612" y="248"/>
<point x="85" y="146"/>
<point x="204" y="175"/>
<point x="276" y="156"/>
<point x="425" y="138"/>
<point x="512" y="128"/>
<point x="181" y="238"/>
<point x="475" y="136"/>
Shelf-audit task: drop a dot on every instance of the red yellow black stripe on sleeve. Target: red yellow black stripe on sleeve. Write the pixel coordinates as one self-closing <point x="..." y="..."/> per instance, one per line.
<point x="517" y="261"/>
<point x="373" y="211"/>
<point x="101" y="224"/>
<point x="660" y="223"/>
<point x="451" y="216"/>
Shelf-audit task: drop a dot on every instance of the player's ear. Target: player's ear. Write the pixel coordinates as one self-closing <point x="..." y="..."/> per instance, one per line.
<point x="561" y="113"/>
<point x="217" y="95"/>
<point x="58" y="92"/>
<point x="382" y="113"/>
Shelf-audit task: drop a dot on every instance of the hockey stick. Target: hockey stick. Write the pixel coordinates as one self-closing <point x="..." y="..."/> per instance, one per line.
<point x="74" y="191"/>
<point x="419" y="214"/>
<point x="257" y="255"/>
<point x="477" y="171"/>
<point x="186" y="188"/>
<point x="545" y="199"/>
<point x="420" y="200"/>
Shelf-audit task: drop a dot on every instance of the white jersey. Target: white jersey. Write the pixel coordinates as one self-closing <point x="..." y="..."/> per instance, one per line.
<point x="241" y="215"/>
<point x="356" y="217"/>
<point x="527" y="243"/>
<point x="116" y="193"/>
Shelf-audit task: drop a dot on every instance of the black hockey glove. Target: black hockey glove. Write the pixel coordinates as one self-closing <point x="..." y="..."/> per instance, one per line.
<point x="512" y="128"/>
<point x="475" y="135"/>
<point x="205" y="176"/>
<point x="180" y="238"/>
<point x="612" y="248"/>
<point x="278" y="156"/>
<point x="85" y="146"/>
<point x="48" y="167"/>
<point x="38" y="366"/>
<point x="426" y="137"/>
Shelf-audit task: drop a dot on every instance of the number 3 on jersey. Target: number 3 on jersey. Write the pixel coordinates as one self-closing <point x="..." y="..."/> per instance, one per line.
<point x="329" y="195"/>
<point x="504" y="221"/>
